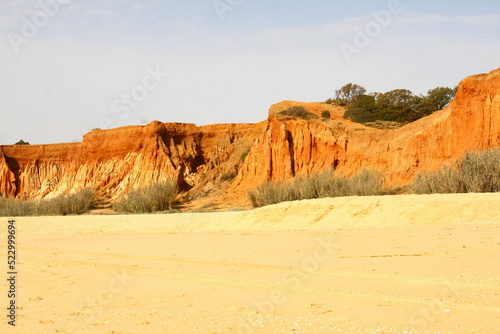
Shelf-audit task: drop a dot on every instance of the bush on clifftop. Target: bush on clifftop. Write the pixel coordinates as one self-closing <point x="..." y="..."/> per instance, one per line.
<point x="297" y="111"/>
<point x="398" y="105"/>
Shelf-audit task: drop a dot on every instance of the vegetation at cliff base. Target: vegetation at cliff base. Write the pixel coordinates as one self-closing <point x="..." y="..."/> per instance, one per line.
<point x="477" y="172"/>
<point x="398" y="105"/>
<point x="154" y="198"/>
<point x="73" y="204"/>
<point x="318" y="185"/>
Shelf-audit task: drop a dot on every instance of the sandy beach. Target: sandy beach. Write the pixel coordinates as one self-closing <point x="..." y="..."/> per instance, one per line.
<point x="391" y="264"/>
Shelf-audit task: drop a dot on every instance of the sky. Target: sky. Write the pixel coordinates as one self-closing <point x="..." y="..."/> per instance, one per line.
<point x="69" y="66"/>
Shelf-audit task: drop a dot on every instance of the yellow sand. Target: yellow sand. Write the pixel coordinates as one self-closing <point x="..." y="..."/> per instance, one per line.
<point x="394" y="264"/>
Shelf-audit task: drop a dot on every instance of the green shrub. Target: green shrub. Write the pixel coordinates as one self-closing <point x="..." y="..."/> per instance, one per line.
<point x="318" y="185"/>
<point x="77" y="203"/>
<point x="325" y="114"/>
<point x="157" y="197"/>
<point x="22" y="142"/>
<point x="477" y="172"/>
<point x="436" y="99"/>
<point x="297" y="111"/>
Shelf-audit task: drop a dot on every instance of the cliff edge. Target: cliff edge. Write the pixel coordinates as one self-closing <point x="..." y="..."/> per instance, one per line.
<point x="210" y="165"/>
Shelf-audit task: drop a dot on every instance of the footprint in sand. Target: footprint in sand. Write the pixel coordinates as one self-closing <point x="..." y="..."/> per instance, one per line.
<point x="36" y="299"/>
<point x="315" y="305"/>
<point x="46" y="322"/>
<point x="77" y="314"/>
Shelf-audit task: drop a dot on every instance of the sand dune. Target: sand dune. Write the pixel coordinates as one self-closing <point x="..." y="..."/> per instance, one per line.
<point x="393" y="264"/>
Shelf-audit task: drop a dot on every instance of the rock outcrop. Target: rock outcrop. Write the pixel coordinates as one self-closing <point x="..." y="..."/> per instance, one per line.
<point x="115" y="161"/>
<point x="209" y="161"/>
<point x="291" y="146"/>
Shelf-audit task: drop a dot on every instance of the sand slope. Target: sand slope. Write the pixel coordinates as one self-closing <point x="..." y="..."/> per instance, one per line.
<point x="394" y="264"/>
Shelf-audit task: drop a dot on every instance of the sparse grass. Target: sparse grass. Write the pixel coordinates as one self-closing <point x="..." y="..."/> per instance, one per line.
<point x="272" y="193"/>
<point x="157" y="197"/>
<point x="228" y="176"/>
<point x="366" y="183"/>
<point x="319" y="185"/>
<point x="74" y="204"/>
<point x="384" y="125"/>
<point x="244" y="154"/>
<point x="477" y="172"/>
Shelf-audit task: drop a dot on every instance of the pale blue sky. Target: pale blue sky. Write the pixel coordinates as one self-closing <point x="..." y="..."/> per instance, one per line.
<point x="75" y="72"/>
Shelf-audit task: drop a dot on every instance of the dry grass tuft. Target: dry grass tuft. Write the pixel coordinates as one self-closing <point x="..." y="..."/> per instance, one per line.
<point x="155" y="198"/>
<point x="76" y="204"/>
<point x="318" y="185"/>
<point x="478" y="172"/>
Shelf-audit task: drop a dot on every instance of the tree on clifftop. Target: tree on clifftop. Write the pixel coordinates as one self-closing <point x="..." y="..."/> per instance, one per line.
<point x="348" y="93"/>
<point x="437" y="99"/>
<point x="22" y="142"/>
<point x="399" y="105"/>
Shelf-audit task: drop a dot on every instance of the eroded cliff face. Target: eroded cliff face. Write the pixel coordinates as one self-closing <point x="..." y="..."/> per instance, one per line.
<point x="291" y="146"/>
<point x="115" y="161"/>
<point x="206" y="161"/>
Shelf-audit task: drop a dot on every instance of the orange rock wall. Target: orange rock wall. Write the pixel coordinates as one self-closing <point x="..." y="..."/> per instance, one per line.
<point x="196" y="158"/>
<point x="117" y="160"/>
<point x="291" y="146"/>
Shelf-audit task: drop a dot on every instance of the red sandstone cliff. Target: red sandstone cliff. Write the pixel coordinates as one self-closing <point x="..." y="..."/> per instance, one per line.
<point x="292" y="146"/>
<point x="201" y="159"/>
<point x="115" y="161"/>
